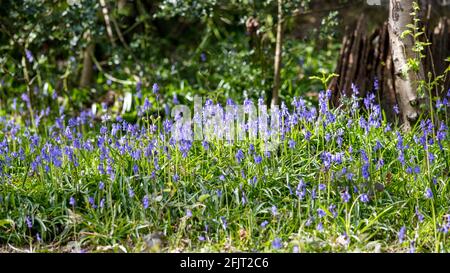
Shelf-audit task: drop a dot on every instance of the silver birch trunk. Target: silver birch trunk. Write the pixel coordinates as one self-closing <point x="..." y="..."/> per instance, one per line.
<point x="406" y="80"/>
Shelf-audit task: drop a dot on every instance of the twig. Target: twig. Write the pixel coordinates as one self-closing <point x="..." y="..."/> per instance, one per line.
<point x="112" y="78"/>
<point x="107" y="21"/>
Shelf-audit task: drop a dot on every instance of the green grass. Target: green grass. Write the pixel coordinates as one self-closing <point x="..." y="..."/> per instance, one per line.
<point x="215" y="204"/>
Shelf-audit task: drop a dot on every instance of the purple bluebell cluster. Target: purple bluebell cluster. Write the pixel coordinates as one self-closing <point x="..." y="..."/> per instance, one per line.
<point x="324" y="173"/>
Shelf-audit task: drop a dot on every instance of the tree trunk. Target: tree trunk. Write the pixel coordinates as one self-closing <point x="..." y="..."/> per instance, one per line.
<point x="365" y="59"/>
<point x="406" y="81"/>
<point x="121" y="4"/>
<point x="86" y="73"/>
<point x="278" y="55"/>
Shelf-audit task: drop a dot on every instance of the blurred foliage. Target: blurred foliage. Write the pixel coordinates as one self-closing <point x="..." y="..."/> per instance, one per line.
<point x="188" y="47"/>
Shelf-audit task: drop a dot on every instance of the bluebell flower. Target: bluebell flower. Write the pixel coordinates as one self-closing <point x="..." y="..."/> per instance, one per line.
<point x="29" y="56"/>
<point x="26" y="99"/>
<point x="147" y="105"/>
<point x="155" y="88"/>
<point x="431" y="158"/>
<point x="175" y="99"/>
<point x="345" y="196"/>
<point x="309" y="221"/>
<point x="251" y="148"/>
<point x="349" y="176"/>
<point x="368" y="100"/>
<point x="401" y="234"/>
<point x="349" y="123"/>
<point x="428" y="193"/>
<point x="378" y="146"/>
<point x="239" y="156"/>
<point x="409" y="170"/>
<point x="412" y="248"/>
<point x="176" y="177"/>
<point x="401" y="158"/>
<point x="254" y="180"/>
<point x="188" y="213"/>
<point x="92" y="202"/>
<point x="439" y="104"/>
<point x="313" y="194"/>
<point x="274" y="210"/>
<point x="339" y="141"/>
<point x="224" y="222"/>
<point x="203" y="57"/>
<point x="321" y="213"/>
<point x="376" y="84"/>
<point x="145" y="202"/>
<point x="365" y="171"/>
<point x="264" y="224"/>
<point x="396" y="110"/>
<point x="364" y="198"/>
<point x="332" y="209"/>
<point x="138" y="86"/>
<point x="289" y="187"/>
<point x="380" y="163"/>
<point x="446" y="225"/>
<point x="130" y="192"/>
<point x="301" y="189"/>
<point x="167" y="125"/>
<point x="308" y="135"/>
<point x="28" y="221"/>
<point x="72" y="201"/>
<point x="319" y="227"/>
<point x="258" y="159"/>
<point x="355" y="89"/>
<point x="277" y="243"/>
<point x="243" y="199"/>
<point x="291" y="144"/>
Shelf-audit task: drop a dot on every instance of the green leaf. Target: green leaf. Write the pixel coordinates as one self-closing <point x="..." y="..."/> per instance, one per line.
<point x="5" y="222"/>
<point x="417" y="34"/>
<point x="203" y="197"/>
<point x="405" y="33"/>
